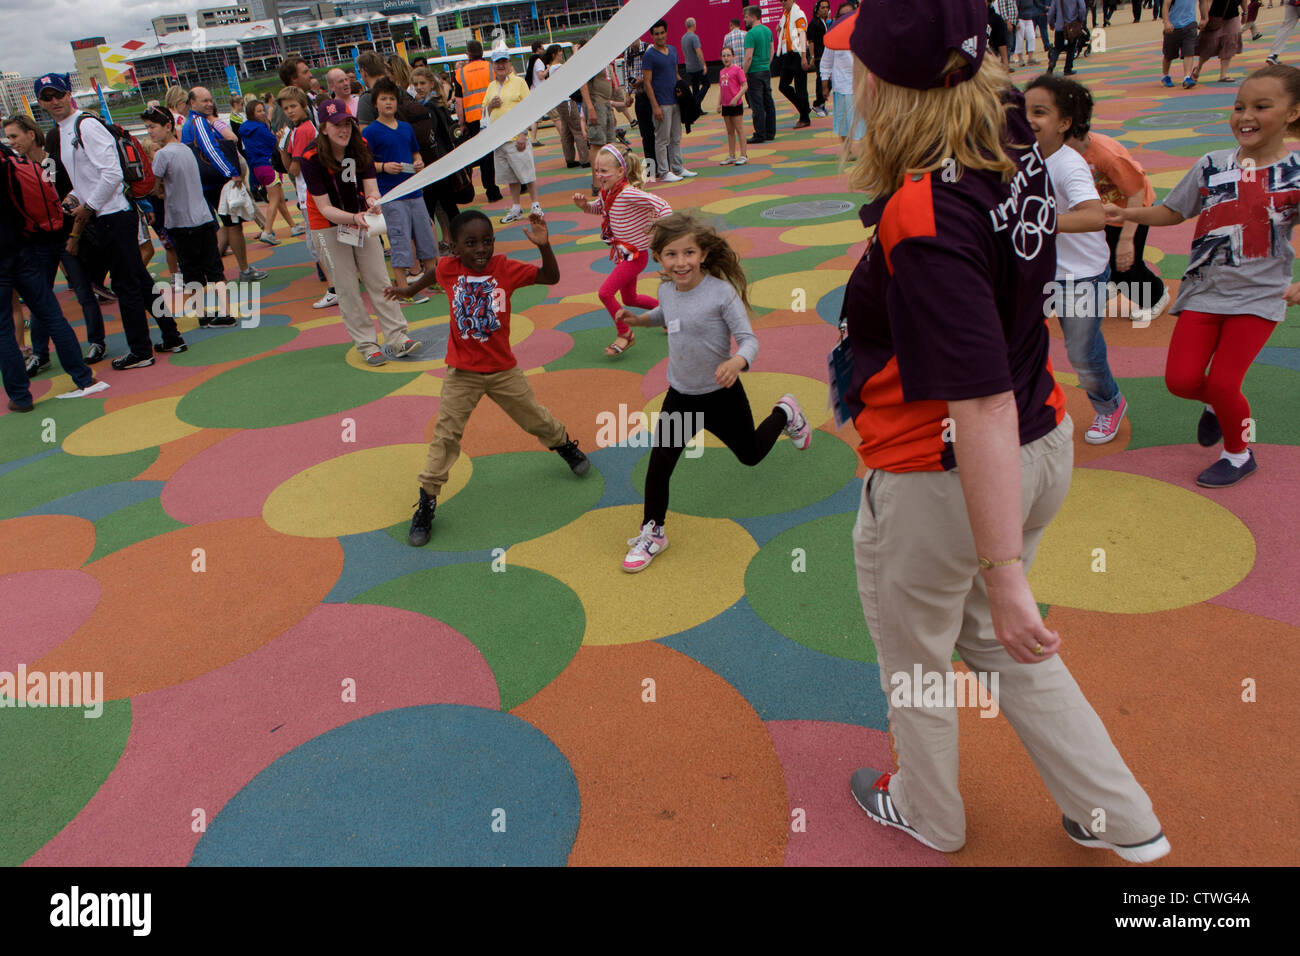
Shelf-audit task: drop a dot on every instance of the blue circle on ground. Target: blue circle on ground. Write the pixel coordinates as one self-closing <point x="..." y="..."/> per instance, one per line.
<point x="436" y="785"/>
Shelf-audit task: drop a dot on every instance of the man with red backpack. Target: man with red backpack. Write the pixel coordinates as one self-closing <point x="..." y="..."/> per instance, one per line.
<point x="28" y="239"/>
<point x="92" y="184"/>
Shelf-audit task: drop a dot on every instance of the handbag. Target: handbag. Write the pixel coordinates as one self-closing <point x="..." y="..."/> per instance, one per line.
<point x="1074" y="30"/>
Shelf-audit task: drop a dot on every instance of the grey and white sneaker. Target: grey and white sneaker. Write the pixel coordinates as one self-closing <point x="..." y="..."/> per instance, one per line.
<point x="95" y="353"/>
<point x="325" y="301"/>
<point x="871" y="789"/>
<point x="1143" y="852"/>
<point x="377" y="358"/>
<point x="404" y="348"/>
<point x="252" y="275"/>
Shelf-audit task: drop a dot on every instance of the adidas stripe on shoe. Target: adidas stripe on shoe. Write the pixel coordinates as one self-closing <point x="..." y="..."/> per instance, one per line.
<point x="871" y="789"/>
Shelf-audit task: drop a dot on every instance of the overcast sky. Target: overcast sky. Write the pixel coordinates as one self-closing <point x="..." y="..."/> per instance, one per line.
<point x="38" y="33"/>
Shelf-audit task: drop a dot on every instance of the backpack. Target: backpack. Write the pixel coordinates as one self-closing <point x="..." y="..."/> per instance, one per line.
<point x="209" y="175"/>
<point x="137" y="167"/>
<point x="33" y="196"/>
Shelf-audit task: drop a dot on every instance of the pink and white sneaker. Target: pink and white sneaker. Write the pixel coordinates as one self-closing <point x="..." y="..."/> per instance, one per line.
<point x="797" y="426"/>
<point x="650" y="542"/>
<point x="1105" y="427"/>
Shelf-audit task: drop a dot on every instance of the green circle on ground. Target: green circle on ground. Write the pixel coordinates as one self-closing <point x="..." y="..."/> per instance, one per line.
<point x="236" y="343"/>
<point x="490" y="511"/>
<point x="55" y="760"/>
<point x="804" y="583"/>
<point x="588" y="350"/>
<point x="717" y="485"/>
<point x="54" y="476"/>
<point x="22" y="436"/>
<point x="502" y="620"/>
<point x="285" y="388"/>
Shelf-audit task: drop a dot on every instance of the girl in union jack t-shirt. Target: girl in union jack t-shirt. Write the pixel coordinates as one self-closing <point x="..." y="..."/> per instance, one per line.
<point x="627" y="214"/>
<point x="1238" y="280"/>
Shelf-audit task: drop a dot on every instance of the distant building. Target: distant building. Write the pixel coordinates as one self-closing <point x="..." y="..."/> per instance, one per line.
<point x="89" y="63"/>
<point x="224" y="16"/>
<point x="170" y="23"/>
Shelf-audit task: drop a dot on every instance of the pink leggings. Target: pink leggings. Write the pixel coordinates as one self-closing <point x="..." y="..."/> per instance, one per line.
<point x="1232" y="341"/>
<point x="623" y="282"/>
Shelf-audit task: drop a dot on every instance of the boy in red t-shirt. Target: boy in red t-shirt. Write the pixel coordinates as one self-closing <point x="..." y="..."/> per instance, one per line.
<point x="479" y="359"/>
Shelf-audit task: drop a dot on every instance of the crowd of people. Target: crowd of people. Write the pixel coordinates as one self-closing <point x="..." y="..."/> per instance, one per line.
<point x="345" y="142"/>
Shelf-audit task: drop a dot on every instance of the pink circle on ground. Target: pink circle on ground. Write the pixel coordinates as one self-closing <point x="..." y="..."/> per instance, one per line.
<point x="317" y="337"/>
<point x="542" y="346"/>
<point x="232" y="479"/>
<point x="40" y="610"/>
<point x="818" y="758"/>
<point x="1266" y="503"/>
<point x="194" y="745"/>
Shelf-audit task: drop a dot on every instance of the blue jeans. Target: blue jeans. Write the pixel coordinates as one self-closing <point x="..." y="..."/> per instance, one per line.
<point x="1082" y="307"/>
<point x="79" y="282"/>
<point x="1040" y="22"/>
<point x="761" y="106"/>
<point x="26" y="271"/>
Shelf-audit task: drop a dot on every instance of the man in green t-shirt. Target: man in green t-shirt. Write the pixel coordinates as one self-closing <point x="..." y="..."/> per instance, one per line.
<point x="758" y="74"/>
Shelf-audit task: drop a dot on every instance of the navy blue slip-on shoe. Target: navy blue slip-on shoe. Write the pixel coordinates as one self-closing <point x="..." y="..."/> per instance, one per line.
<point x="1208" y="432"/>
<point x="1224" y="473"/>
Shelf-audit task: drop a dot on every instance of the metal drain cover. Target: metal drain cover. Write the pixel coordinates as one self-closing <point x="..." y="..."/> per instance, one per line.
<point x="814" y="209"/>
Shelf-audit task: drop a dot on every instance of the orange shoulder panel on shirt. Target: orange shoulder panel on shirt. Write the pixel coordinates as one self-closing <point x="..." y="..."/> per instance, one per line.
<point x="909" y="213"/>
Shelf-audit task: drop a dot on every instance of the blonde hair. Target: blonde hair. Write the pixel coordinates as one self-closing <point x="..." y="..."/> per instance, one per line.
<point x="918" y="131"/>
<point x="399" y="71"/>
<point x="633" y="169"/>
<point x="295" y="94"/>
<point x="719" y="259"/>
<point x="177" y="99"/>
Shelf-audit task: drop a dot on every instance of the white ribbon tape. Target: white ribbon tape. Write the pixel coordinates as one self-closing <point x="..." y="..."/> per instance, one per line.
<point x="629" y="24"/>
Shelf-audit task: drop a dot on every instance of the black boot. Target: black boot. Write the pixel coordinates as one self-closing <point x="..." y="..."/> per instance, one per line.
<point x="422" y="520"/>
<point x="576" y="460"/>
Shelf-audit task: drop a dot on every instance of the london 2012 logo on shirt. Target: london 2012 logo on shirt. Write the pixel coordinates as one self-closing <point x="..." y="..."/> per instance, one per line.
<point x="1030" y="217"/>
<point x="475" y="303"/>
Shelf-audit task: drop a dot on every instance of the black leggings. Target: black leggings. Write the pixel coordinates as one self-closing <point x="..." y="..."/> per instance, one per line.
<point x="1139" y="276"/>
<point x="726" y="414"/>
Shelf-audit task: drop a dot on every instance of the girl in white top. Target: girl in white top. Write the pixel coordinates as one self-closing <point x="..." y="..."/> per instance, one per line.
<point x="1053" y="105"/>
<point x="627" y="215"/>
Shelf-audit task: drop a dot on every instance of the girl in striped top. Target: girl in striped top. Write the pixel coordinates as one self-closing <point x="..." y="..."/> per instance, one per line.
<point x="627" y="213"/>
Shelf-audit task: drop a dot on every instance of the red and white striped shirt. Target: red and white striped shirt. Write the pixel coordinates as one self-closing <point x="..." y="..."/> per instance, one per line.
<point x="632" y="214"/>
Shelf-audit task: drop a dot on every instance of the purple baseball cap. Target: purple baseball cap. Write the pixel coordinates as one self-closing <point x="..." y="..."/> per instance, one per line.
<point x="908" y="44"/>
<point x="333" y="111"/>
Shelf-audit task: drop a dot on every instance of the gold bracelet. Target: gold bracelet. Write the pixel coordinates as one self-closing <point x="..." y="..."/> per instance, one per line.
<point x="987" y="565"/>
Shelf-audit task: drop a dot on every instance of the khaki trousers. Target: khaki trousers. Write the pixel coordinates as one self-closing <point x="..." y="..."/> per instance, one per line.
<point x="923" y="595"/>
<point x="461" y="392"/>
<point x="345" y="264"/>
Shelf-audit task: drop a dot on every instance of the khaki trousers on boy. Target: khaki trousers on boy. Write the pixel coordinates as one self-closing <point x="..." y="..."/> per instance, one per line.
<point x="923" y="595"/>
<point x="461" y="392"/>
<point x="346" y="263"/>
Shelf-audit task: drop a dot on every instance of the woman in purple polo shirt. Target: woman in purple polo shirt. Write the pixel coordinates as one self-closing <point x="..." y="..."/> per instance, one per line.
<point x="964" y="431"/>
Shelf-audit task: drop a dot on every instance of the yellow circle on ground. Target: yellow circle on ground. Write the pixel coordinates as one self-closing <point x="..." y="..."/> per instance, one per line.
<point x="1161" y="547"/>
<point x="355" y="493"/>
<point x="722" y="206"/>
<point x="1168" y="179"/>
<point x="763" y="389"/>
<point x="778" y="292"/>
<point x="1152" y="254"/>
<point x="146" y="425"/>
<point x="843" y="233"/>
<point x="700" y="575"/>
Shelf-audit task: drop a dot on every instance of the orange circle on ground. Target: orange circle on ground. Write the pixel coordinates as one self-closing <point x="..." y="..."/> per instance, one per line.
<point x="690" y="778"/>
<point x="45" y="541"/>
<point x="1168" y="686"/>
<point x="161" y="621"/>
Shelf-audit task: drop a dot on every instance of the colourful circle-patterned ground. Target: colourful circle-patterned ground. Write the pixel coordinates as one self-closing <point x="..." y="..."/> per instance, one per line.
<point x="285" y="680"/>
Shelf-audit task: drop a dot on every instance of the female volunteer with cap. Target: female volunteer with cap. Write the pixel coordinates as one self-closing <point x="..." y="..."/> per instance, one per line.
<point x="963" y="427"/>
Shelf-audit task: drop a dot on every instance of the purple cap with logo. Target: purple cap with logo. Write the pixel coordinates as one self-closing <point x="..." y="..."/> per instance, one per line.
<point x="333" y="111"/>
<point x="59" y="82"/>
<point x="908" y="44"/>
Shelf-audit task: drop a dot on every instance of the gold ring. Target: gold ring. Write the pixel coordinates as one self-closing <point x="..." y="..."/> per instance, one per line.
<point x="1038" y="648"/>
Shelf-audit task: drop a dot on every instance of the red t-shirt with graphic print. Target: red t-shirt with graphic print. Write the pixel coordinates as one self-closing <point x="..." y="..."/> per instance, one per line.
<point x="479" y="340"/>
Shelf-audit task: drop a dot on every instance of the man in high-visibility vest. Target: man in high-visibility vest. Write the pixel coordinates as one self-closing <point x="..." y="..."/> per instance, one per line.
<point x="472" y="79"/>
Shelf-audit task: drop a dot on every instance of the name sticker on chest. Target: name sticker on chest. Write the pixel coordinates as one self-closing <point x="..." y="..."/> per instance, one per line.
<point x="1225" y="177"/>
<point x="674" y="325"/>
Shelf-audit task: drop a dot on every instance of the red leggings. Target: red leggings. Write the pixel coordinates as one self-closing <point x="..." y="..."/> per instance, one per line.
<point x="1232" y="341"/>
<point x="623" y="282"/>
